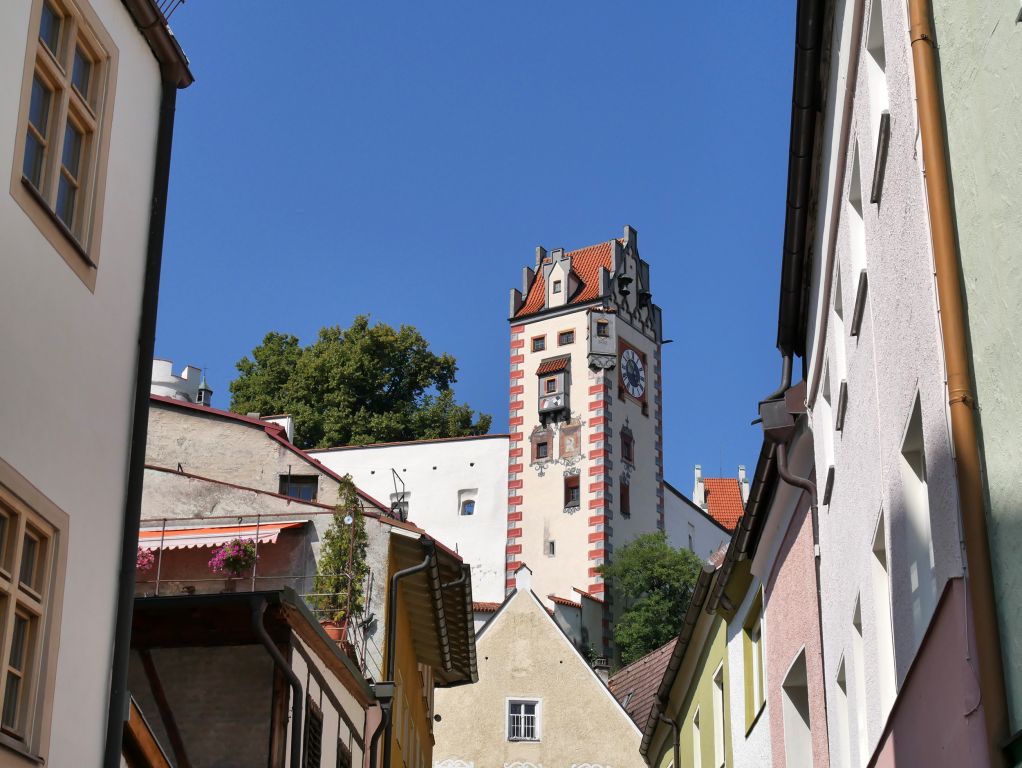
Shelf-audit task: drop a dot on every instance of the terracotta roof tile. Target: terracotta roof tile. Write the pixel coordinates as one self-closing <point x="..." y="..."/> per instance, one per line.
<point x="724" y="500"/>
<point x="486" y="607"/>
<point x="553" y="365"/>
<point x="586" y="264"/>
<point x="564" y="601"/>
<point x="637" y="684"/>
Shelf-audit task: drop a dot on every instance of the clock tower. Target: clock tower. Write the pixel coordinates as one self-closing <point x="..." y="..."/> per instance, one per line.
<point x="585" y="469"/>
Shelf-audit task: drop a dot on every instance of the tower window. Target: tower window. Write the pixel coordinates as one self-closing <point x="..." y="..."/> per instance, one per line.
<point x="603" y="329"/>
<point x="538" y="343"/>
<point x="557" y="286"/>
<point x="550" y="385"/>
<point x="626" y="501"/>
<point x="565" y="337"/>
<point x="540" y="446"/>
<point x="572" y="491"/>
<point x="627" y="447"/>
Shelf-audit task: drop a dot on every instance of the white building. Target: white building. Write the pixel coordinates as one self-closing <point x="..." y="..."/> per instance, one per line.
<point x="690" y="526"/>
<point x="190" y="386"/>
<point x="453" y="488"/>
<point x="86" y="120"/>
<point x="585" y="467"/>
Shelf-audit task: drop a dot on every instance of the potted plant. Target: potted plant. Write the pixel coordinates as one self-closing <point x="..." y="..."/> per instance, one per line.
<point x="144" y="560"/>
<point x="341" y="569"/>
<point x="234" y="557"/>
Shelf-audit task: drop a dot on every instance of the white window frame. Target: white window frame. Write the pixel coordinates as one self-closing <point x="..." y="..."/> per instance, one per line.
<point x="538" y="703"/>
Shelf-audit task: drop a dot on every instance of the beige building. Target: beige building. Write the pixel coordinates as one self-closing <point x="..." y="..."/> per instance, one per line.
<point x="87" y="95"/>
<point x="538" y="703"/>
<point x="585" y="467"/>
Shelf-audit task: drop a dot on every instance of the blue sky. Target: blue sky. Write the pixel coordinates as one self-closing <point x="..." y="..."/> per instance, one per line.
<point x="404" y="159"/>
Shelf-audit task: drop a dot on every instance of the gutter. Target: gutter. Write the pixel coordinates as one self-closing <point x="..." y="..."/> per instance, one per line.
<point x="120" y="700"/>
<point x="804" y="109"/>
<point x="961" y="399"/>
<point x="154" y="28"/>
<point x="258" y="609"/>
<point x="388" y="704"/>
<point x="688" y="627"/>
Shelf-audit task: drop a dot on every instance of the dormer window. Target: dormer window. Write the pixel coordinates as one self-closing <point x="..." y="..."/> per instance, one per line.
<point x="557" y="286"/>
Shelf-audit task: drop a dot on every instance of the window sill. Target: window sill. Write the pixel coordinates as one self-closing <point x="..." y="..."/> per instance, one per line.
<point x="8" y="743"/>
<point x="60" y="225"/>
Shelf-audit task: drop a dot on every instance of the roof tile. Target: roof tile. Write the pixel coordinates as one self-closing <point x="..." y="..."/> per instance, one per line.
<point x="724" y="500"/>
<point x="586" y="264"/>
<point x="636" y="685"/>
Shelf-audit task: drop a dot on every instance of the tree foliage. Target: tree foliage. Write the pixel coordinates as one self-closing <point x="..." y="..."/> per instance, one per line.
<point x="655" y="582"/>
<point x="362" y="384"/>
<point x="339" y="586"/>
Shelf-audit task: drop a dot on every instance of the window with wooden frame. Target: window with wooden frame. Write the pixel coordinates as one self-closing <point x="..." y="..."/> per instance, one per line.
<point x="626" y="499"/>
<point x="313" y="752"/>
<point x="565" y="337"/>
<point x="66" y="108"/>
<point x="541" y="446"/>
<point x="550" y="385"/>
<point x="627" y="446"/>
<point x="538" y="343"/>
<point x="603" y="329"/>
<point x="572" y="491"/>
<point x="27" y="544"/>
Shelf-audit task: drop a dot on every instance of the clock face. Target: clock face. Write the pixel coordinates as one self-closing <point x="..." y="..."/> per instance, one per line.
<point x="633" y="374"/>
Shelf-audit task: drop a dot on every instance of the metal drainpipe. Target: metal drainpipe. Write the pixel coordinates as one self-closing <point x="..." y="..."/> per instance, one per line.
<point x="785" y="377"/>
<point x="258" y="609"/>
<point x="962" y="402"/>
<point x="677" y="737"/>
<point x="119" y="701"/>
<point x="374" y="741"/>
<point x="392" y="639"/>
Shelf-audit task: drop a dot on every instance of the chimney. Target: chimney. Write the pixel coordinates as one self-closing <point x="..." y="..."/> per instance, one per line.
<point x="602" y="668"/>
<point x="743" y="483"/>
<point x="698" y="489"/>
<point x="540" y="255"/>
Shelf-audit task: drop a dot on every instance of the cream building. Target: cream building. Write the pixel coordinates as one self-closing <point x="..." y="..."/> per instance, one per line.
<point x="537" y="702"/>
<point x="86" y="118"/>
<point x="585" y="467"/>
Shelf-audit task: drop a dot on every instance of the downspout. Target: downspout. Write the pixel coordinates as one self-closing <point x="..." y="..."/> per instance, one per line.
<point x="120" y="700"/>
<point x="677" y="737"/>
<point x="374" y="741"/>
<point x="785" y="377"/>
<point x="392" y="639"/>
<point x="962" y="401"/>
<point x="258" y="609"/>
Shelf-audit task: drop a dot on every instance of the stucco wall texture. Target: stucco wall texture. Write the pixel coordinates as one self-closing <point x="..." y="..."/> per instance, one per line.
<point x="71" y="442"/>
<point x="895" y="358"/>
<point x="523" y="655"/>
<point x="792" y="625"/>
<point x="980" y="54"/>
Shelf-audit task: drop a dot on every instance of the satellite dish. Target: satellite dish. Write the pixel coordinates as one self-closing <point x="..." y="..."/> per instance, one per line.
<point x="348" y="519"/>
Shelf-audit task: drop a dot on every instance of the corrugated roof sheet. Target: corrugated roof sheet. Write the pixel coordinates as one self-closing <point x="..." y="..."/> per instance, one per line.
<point x="724" y="500"/>
<point x="636" y="685"/>
<point x="585" y="264"/>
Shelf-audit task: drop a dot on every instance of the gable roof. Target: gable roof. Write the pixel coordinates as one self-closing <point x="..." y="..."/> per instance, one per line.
<point x="695" y="507"/>
<point x="636" y="685"/>
<point x="724" y="500"/>
<point x="585" y="265"/>
<point x="273" y="431"/>
<point x="563" y="637"/>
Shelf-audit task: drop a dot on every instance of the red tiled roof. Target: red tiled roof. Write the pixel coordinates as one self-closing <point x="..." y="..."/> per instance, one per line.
<point x="582" y="592"/>
<point x="486" y="607"/>
<point x="564" y="601"/>
<point x="637" y="684"/>
<point x="724" y="500"/>
<point x="553" y="365"/>
<point x="586" y="264"/>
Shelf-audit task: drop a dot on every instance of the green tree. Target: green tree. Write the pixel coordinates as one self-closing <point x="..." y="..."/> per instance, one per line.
<point x="339" y="586"/>
<point x="356" y="385"/>
<point x="655" y="582"/>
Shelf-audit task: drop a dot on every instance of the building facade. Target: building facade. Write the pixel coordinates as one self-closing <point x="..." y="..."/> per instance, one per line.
<point x="453" y="488"/>
<point x="86" y="120"/>
<point x="585" y="467"/>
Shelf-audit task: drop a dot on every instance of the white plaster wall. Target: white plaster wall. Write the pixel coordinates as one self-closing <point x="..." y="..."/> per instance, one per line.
<point x="896" y="355"/>
<point x="679" y="514"/>
<point x="168" y="384"/>
<point x="72" y="441"/>
<point x="434" y="473"/>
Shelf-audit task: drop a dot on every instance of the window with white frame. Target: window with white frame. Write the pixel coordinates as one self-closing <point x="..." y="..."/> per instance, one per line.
<point x="859" y="678"/>
<point x="842" y="752"/>
<point x="523" y="723"/>
<point x="697" y="741"/>
<point x="753" y="651"/>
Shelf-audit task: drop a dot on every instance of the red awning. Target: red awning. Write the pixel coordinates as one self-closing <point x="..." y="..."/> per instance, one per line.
<point x="553" y="365"/>
<point x="214" y="535"/>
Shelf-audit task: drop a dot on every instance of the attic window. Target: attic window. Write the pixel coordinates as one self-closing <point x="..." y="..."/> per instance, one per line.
<point x="557" y="286"/>
<point x="302" y="487"/>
